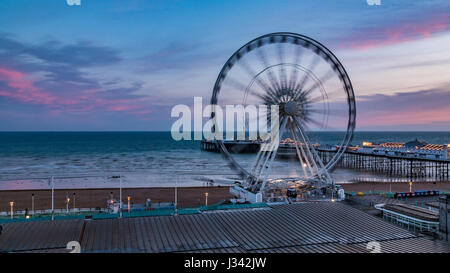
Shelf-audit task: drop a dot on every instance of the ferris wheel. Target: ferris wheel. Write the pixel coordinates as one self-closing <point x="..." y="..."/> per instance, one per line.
<point x="315" y="99"/>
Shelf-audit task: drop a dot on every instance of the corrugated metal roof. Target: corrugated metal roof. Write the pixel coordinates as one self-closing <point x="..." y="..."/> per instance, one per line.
<point x="301" y="228"/>
<point x="39" y="235"/>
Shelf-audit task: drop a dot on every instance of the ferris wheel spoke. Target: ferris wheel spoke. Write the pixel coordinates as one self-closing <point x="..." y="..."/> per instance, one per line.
<point x="282" y="70"/>
<point x="251" y="73"/>
<point x="263" y="59"/>
<point x="320" y="82"/>
<point x="319" y="124"/>
<point x="330" y="95"/>
<point x="234" y="83"/>
<point x="274" y="94"/>
<point x="305" y="77"/>
<point x="294" y="73"/>
<point x="262" y="117"/>
<point x="334" y="112"/>
<point x="267" y="99"/>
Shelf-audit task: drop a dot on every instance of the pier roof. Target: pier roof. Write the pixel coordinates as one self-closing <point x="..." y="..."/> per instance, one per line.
<point x="415" y="143"/>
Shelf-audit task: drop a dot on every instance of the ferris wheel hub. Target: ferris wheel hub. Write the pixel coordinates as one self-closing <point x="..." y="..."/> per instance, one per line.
<point x="290" y="108"/>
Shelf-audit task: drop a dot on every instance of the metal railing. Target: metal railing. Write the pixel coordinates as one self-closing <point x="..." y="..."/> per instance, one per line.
<point x="409" y="222"/>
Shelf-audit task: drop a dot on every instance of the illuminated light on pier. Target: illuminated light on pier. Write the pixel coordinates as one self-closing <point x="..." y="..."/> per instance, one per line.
<point x="393" y="145"/>
<point x="366" y="143"/>
<point x="433" y="147"/>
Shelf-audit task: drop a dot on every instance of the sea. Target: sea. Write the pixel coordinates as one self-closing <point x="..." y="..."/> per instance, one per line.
<point x="28" y="160"/>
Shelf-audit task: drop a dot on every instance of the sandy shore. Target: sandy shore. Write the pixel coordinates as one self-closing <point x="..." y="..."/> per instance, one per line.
<point x="396" y="186"/>
<point x="187" y="196"/>
<point x="92" y="198"/>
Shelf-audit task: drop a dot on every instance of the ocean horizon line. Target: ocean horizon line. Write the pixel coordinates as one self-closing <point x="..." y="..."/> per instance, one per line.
<point x="168" y="131"/>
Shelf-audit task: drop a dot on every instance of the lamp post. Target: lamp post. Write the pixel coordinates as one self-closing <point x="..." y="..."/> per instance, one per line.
<point x="206" y="199"/>
<point x="74" y="202"/>
<point x="176" y="197"/>
<point x="410" y="186"/>
<point x="32" y="203"/>
<point x="53" y="197"/>
<point x="67" y="204"/>
<point x="120" y="201"/>
<point x="12" y="209"/>
<point x="129" y="208"/>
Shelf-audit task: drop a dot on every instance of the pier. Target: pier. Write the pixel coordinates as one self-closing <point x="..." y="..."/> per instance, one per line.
<point x="428" y="161"/>
<point x="232" y="146"/>
<point x="414" y="168"/>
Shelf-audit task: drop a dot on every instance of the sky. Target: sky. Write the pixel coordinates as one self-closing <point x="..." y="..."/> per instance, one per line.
<point x="122" y="65"/>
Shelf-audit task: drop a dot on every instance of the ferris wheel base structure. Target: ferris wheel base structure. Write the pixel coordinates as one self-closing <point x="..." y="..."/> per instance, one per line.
<point x="248" y="196"/>
<point x="331" y="194"/>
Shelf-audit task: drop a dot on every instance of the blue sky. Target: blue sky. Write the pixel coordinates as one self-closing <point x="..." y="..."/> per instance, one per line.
<point x="122" y="65"/>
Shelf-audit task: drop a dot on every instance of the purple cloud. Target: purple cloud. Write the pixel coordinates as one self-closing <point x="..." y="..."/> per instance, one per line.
<point x="426" y="109"/>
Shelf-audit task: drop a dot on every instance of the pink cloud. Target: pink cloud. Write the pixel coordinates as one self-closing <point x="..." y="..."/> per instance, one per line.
<point x="404" y="117"/>
<point x="22" y="88"/>
<point x="385" y="35"/>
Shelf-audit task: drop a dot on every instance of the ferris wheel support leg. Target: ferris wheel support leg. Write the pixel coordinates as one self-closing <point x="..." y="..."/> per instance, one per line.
<point x="255" y="169"/>
<point x="301" y="155"/>
<point x="274" y="153"/>
<point x="266" y="155"/>
<point x="258" y="158"/>
<point x="261" y="161"/>
<point x="309" y="158"/>
<point x="312" y="161"/>
<point x="317" y="160"/>
<point x="306" y="155"/>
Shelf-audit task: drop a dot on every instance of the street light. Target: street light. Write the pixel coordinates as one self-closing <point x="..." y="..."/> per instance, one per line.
<point x="176" y="197"/>
<point x="410" y="186"/>
<point x="206" y="199"/>
<point x="53" y="197"/>
<point x="67" y="204"/>
<point x="74" y="202"/>
<point x="12" y="209"/>
<point x="120" y="202"/>
<point x="32" y="202"/>
<point x="129" y="208"/>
